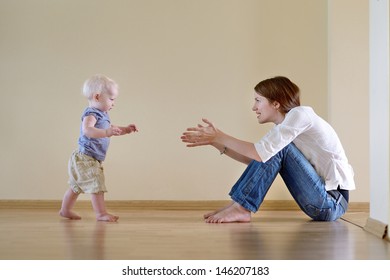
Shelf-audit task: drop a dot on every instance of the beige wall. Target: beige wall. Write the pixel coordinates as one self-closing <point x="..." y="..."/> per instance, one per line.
<point x="176" y="61"/>
<point x="349" y="85"/>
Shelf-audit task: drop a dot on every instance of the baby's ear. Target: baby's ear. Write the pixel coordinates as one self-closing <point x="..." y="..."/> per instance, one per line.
<point x="96" y="96"/>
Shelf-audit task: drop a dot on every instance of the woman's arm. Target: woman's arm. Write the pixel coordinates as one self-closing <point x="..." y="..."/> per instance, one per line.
<point x="209" y="135"/>
<point x="230" y="153"/>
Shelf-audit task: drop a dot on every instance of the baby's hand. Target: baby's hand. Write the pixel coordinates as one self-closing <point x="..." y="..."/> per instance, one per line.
<point x="131" y="128"/>
<point x="114" y="131"/>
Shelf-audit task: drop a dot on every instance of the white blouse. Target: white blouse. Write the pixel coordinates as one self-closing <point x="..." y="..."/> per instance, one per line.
<point x="317" y="141"/>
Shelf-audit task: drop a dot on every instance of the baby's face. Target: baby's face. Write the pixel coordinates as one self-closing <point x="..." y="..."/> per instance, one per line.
<point x="106" y="101"/>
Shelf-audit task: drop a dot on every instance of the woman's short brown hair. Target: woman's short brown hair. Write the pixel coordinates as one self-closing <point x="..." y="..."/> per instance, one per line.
<point x="280" y="89"/>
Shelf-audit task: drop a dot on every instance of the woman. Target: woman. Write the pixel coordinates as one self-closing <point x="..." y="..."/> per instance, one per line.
<point x="301" y="147"/>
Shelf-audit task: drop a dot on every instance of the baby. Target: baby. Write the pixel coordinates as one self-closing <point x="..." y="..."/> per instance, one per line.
<point x="85" y="164"/>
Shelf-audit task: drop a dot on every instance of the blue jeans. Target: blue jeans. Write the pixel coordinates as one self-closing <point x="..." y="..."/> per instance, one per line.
<point x="301" y="179"/>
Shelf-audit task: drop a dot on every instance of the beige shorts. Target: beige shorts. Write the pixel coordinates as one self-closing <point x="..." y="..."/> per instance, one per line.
<point x="85" y="174"/>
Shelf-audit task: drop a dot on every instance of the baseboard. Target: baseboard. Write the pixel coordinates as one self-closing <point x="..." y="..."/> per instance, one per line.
<point x="377" y="228"/>
<point x="268" y="205"/>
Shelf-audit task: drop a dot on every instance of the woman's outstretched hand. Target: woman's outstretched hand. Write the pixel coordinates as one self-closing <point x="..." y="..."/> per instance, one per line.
<point x="200" y="135"/>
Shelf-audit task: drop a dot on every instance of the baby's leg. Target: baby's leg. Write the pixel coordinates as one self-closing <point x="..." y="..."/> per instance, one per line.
<point x="68" y="202"/>
<point x="100" y="208"/>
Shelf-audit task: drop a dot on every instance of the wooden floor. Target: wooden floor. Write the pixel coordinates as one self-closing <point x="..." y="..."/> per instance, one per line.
<point x="182" y="235"/>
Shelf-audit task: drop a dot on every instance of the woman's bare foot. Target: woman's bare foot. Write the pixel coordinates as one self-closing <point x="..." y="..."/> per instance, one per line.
<point x="69" y="214"/>
<point x="206" y="216"/>
<point x="107" y="217"/>
<point x="234" y="213"/>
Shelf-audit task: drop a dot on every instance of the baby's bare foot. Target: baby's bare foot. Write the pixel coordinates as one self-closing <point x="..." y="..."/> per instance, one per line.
<point x="107" y="217"/>
<point x="69" y="214"/>
<point x="234" y="213"/>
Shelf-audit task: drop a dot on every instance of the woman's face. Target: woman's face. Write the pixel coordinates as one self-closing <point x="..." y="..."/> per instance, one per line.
<point x="267" y="111"/>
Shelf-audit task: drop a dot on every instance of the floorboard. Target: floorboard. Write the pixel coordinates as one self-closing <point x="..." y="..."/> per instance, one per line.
<point x="28" y="234"/>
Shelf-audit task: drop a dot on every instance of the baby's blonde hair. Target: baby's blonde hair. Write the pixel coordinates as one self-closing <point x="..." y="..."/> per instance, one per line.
<point x="98" y="84"/>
